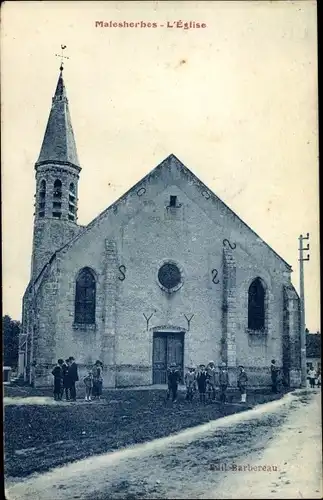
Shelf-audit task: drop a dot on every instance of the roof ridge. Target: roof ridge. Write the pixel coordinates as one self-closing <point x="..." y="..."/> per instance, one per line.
<point x="168" y="159"/>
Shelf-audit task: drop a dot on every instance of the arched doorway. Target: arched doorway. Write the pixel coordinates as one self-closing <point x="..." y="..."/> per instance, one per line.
<point x="168" y="348"/>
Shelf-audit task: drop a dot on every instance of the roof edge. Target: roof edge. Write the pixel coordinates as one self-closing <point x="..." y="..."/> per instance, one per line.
<point x="232" y="211"/>
<point x="58" y="163"/>
<point x="144" y="179"/>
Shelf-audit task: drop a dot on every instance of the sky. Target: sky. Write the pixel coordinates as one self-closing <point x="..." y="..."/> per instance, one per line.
<point x="235" y="101"/>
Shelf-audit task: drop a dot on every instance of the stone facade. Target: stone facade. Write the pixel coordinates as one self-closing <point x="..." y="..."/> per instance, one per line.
<point x="218" y="255"/>
<point x="171" y="220"/>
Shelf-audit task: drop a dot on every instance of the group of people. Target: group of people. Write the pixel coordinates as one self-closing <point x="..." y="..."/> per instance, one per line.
<point x="205" y="379"/>
<point x="314" y="376"/>
<point x="93" y="382"/>
<point x="65" y="375"/>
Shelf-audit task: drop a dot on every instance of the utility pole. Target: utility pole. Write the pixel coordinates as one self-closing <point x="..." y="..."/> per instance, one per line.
<point x="302" y="304"/>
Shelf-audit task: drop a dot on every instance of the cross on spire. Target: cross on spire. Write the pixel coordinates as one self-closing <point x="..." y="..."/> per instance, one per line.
<point x="61" y="55"/>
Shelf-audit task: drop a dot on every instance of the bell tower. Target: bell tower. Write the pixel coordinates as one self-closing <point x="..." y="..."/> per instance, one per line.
<point x="57" y="174"/>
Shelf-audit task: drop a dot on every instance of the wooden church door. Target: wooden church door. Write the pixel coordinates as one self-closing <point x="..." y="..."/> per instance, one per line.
<point x="168" y="348"/>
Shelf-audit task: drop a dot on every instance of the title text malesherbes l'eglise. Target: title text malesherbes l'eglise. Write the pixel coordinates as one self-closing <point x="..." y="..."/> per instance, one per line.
<point x="186" y="25"/>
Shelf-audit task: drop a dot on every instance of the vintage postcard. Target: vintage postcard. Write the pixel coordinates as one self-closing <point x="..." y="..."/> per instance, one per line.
<point x="161" y="292"/>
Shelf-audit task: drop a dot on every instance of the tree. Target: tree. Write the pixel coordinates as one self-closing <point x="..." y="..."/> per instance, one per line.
<point x="10" y="331"/>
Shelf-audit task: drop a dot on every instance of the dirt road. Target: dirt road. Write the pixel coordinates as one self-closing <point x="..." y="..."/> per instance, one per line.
<point x="296" y="450"/>
<point x="41" y="434"/>
<point x="215" y="460"/>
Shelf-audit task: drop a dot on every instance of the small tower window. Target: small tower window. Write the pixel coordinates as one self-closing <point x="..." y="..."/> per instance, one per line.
<point x="71" y="196"/>
<point x="42" y="198"/>
<point x="57" y="189"/>
<point x="71" y="211"/>
<point x="42" y="190"/>
<point x="173" y="209"/>
<point x="57" y="205"/>
<point x="173" y="201"/>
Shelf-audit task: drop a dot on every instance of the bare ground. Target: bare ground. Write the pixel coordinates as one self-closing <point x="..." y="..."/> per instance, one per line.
<point x="190" y="464"/>
<point x="43" y="434"/>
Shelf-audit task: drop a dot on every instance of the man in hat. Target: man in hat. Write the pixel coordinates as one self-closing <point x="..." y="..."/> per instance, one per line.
<point x="66" y="379"/>
<point x="73" y="377"/>
<point x="242" y="383"/>
<point x="201" y="379"/>
<point x="223" y="382"/>
<point x="211" y="379"/>
<point x="173" y="381"/>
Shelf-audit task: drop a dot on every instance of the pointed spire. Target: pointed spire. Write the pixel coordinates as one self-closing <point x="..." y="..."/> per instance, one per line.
<point x="59" y="143"/>
<point x="60" y="91"/>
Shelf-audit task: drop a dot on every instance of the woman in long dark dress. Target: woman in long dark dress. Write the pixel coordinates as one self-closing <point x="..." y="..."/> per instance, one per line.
<point x="97" y="380"/>
<point x="58" y="380"/>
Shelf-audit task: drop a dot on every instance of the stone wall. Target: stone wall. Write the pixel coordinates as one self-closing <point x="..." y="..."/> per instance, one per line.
<point x="291" y="336"/>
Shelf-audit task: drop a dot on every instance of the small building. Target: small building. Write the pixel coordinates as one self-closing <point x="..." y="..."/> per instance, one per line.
<point x="6" y="374"/>
<point x="313" y="350"/>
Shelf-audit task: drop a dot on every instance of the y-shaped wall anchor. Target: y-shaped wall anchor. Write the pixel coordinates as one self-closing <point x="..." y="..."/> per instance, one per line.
<point x="147" y="319"/>
<point x="188" y="321"/>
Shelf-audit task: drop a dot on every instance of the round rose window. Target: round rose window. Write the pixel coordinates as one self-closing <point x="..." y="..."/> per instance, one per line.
<point x="169" y="276"/>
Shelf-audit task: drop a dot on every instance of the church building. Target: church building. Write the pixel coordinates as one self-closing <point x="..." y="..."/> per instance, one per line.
<point x="167" y="274"/>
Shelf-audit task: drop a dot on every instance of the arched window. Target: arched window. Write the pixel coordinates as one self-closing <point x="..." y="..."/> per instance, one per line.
<point x="71" y="202"/>
<point x="85" y="297"/>
<point x="57" y="189"/>
<point x="256" y="305"/>
<point x="57" y="200"/>
<point x="42" y="190"/>
<point x="42" y="198"/>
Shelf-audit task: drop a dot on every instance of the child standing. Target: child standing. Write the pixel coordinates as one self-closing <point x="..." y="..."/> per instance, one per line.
<point x="242" y="384"/>
<point x="58" y="380"/>
<point x="88" y="381"/>
<point x="97" y="379"/>
<point x="190" y="382"/>
<point x="201" y="382"/>
<point x="311" y="375"/>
